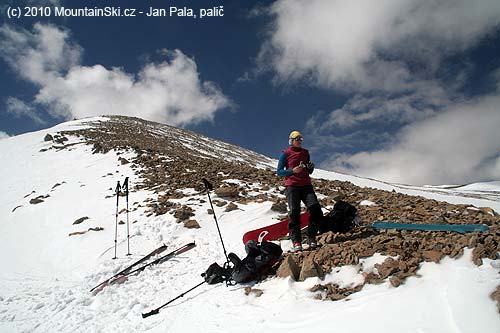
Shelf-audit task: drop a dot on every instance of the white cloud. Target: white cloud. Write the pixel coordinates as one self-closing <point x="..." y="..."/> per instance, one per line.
<point x="361" y="110"/>
<point x="20" y="109"/>
<point x="4" y="135"/>
<point x="366" y="45"/>
<point x="170" y="92"/>
<point x="387" y="55"/>
<point x="42" y="56"/>
<point x="461" y="144"/>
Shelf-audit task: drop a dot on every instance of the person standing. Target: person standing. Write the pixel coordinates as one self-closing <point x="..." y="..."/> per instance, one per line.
<point x="295" y="165"/>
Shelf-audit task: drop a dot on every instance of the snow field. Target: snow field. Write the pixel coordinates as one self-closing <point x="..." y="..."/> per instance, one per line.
<point x="47" y="275"/>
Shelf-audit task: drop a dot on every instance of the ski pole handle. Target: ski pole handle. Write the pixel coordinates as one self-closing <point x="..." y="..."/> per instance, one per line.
<point x="207" y="184"/>
<point x="125" y="184"/>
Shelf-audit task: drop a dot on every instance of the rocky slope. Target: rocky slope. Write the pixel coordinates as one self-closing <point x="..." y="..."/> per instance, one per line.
<point x="170" y="160"/>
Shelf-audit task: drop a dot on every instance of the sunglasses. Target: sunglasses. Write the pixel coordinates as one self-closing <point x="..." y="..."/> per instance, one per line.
<point x="299" y="138"/>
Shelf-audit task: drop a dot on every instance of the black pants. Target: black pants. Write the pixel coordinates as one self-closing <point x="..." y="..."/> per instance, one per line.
<point x="295" y="195"/>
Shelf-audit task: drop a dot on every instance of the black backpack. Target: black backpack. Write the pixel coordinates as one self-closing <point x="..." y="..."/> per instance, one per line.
<point x="340" y="219"/>
<point x="257" y="263"/>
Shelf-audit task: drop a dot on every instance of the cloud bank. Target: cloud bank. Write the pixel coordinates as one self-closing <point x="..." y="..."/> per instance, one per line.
<point x="169" y="92"/>
<point x="4" y="135"/>
<point x="19" y="109"/>
<point x="365" y="44"/>
<point x="461" y="144"/>
<point x="388" y="57"/>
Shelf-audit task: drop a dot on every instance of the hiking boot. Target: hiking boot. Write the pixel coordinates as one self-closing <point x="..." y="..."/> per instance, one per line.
<point x="312" y="243"/>
<point x="297" y="246"/>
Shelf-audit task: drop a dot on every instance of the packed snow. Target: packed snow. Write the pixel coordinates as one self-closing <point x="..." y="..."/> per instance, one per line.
<point x="47" y="274"/>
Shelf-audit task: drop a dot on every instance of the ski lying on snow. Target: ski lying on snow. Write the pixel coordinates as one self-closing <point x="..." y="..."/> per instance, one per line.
<point x="125" y="270"/>
<point x="461" y="228"/>
<point x="123" y="275"/>
<point x="273" y="231"/>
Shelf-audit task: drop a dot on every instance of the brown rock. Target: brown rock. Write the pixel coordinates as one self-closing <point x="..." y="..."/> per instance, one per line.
<point x="334" y="292"/>
<point x="60" y="139"/>
<point x="280" y="207"/>
<point x="432" y="255"/>
<point x="183" y="213"/>
<point x="395" y="281"/>
<point x="495" y="296"/>
<point x="232" y="206"/>
<point x="220" y="203"/>
<point x="388" y="267"/>
<point x="488" y="210"/>
<point x="372" y="278"/>
<point x="77" y="233"/>
<point x="310" y="269"/>
<point x="191" y="224"/>
<point x="123" y="161"/>
<point x="81" y="219"/>
<point x="38" y="199"/>
<point x="339" y="196"/>
<point x="256" y="292"/>
<point x="227" y="192"/>
<point x="289" y="268"/>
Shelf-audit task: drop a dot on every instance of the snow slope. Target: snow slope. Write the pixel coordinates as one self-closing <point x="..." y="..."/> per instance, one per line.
<point x="46" y="275"/>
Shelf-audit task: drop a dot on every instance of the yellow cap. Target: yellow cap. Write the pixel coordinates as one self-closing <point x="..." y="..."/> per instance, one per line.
<point x="295" y="134"/>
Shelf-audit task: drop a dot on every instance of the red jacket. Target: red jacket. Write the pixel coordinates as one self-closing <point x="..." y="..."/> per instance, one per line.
<point x="293" y="158"/>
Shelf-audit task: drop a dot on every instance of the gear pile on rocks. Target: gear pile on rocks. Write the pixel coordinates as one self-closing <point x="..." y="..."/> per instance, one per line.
<point x="169" y="160"/>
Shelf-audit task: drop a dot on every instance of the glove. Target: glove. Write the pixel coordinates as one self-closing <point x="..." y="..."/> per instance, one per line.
<point x="310" y="166"/>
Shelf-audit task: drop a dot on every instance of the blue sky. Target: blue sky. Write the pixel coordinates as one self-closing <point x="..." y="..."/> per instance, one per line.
<point x="405" y="91"/>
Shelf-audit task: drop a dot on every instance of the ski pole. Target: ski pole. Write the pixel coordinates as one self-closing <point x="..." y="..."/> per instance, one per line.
<point x="209" y="187"/>
<point x="117" y="190"/>
<point x="157" y="310"/>
<point x="125" y="188"/>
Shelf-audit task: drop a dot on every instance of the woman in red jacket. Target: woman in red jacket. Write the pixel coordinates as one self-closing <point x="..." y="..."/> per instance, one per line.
<point x="295" y="165"/>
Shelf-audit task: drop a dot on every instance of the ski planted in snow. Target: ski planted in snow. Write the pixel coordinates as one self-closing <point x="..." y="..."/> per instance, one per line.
<point x="123" y="275"/>
<point x="460" y="228"/>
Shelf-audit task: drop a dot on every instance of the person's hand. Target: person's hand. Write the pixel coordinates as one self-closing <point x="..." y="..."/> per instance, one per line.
<point x="310" y="165"/>
<point x="297" y="169"/>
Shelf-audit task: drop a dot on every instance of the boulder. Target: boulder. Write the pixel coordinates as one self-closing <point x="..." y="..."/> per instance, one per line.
<point x="191" y="224"/>
<point x="289" y="267"/>
<point x="227" y="192"/>
<point x="232" y="206"/>
<point x="310" y="269"/>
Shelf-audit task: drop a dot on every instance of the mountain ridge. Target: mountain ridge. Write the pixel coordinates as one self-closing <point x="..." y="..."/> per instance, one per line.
<point x="89" y="156"/>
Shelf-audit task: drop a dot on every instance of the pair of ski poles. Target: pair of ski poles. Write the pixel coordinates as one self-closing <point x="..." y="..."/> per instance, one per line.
<point x="118" y="190"/>
<point x="208" y="188"/>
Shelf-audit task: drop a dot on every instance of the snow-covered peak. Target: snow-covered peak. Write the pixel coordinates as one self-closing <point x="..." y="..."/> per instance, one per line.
<point x="58" y="220"/>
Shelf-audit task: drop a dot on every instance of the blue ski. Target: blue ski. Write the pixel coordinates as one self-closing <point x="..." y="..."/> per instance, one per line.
<point x="460" y="228"/>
